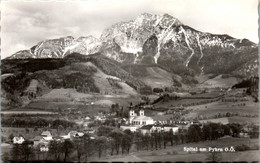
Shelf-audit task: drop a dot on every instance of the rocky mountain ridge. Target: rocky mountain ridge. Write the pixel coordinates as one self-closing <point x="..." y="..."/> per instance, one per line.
<point x="158" y="39"/>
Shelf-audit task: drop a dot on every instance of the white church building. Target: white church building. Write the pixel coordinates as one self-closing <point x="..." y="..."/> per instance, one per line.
<point x="137" y="121"/>
<point x="140" y="120"/>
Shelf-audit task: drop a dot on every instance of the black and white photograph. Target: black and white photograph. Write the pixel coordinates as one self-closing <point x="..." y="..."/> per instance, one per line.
<point x="129" y="81"/>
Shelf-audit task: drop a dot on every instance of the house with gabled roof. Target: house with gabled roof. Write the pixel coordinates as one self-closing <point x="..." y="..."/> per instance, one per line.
<point x="46" y="135"/>
<point x="39" y="140"/>
<point x="73" y="134"/>
<point x="18" y="140"/>
<point x="128" y="127"/>
<point x="87" y="118"/>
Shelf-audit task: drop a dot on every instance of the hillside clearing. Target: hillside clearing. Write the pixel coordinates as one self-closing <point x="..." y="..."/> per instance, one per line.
<point x="219" y="81"/>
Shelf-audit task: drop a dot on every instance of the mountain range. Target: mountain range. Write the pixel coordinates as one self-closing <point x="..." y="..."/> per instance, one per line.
<point x="132" y="57"/>
<point x="158" y="39"/>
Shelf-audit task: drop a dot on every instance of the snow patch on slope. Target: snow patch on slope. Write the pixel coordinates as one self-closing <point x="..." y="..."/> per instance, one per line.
<point x="131" y="50"/>
<point x="187" y="42"/>
<point x="69" y="48"/>
<point x="162" y="39"/>
<point x="201" y="52"/>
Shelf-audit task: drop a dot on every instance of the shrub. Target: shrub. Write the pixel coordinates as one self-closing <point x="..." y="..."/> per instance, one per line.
<point x="157" y="90"/>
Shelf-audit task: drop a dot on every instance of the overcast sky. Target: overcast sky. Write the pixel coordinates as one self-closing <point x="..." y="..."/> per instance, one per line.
<point x="25" y="23"/>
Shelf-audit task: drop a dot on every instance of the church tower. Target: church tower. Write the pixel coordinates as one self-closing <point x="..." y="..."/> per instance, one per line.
<point x="141" y="112"/>
<point x="132" y="115"/>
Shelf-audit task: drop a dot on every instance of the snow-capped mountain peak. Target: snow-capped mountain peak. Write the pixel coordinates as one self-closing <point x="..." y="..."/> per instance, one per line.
<point x="160" y="39"/>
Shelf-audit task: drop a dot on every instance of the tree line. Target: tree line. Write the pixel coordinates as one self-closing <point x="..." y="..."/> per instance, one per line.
<point x="35" y="122"/>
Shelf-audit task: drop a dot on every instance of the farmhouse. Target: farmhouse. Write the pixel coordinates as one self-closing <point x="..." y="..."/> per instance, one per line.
<point x="129" y="127"/>
<point x="46" y="135"/>
<point x="39" y="140"/>
<point x="73" y="134"/>
<point x="87" y="118"/>
<point x="18" y="140"/>
<point x="243" y="134"/>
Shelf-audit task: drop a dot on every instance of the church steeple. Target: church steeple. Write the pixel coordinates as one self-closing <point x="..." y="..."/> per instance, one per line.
<point x="141" y="112"/>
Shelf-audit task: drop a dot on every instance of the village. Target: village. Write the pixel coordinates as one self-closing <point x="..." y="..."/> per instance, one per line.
<point x="135" y="123"/>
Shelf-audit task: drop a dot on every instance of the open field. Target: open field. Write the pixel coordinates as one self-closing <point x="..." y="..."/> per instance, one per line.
<point x="72" y="97"/>
<point x="218" y="81"/>
<point x="211" y="94"/>
<point x="179" y="102"/>
<point x="152" y="75"/>
<point x="69" y="98"/>
<point x="186" y="98"/>
<point x="212" y="109"/>
<point x="215" y="105"/>
<point x="238" y="156"/>
<point x="177" y="153"/>
<point x="224" y="120"/>
<point x="101" y="80"/>
<point x="99" y="102"/>
<point x="248" y="156"/>
<point x="235" y="119"/>
<point x="56" y="106"/>
<point x="157" y="77"/>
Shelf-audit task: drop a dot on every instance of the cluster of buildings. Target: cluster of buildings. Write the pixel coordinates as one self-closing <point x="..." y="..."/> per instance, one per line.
<point x="44" y="139"/>
<point x="137" y="122"/>
<point x="146" y="125"/>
